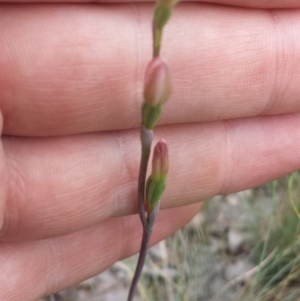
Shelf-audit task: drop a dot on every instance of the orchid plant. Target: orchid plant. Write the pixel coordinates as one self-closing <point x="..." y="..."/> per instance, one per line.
<point x="157" y="90"/>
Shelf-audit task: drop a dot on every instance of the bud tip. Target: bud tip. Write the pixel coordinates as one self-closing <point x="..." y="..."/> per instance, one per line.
<point x="157" y="85"/>
<point x="160" y="162"/>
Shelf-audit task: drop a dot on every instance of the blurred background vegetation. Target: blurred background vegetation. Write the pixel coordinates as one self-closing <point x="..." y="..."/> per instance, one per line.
<point x="243" y="246"/>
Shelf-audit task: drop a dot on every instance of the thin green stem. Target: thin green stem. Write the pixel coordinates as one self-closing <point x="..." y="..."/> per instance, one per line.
<point x="157" y="36"/>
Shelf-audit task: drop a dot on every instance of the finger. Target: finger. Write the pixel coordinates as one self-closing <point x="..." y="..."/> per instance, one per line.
<point x="62" y="185"/>
<point x="73" y="69"/>
<point x="258" y="3"/>
<point x="3" y="179"/>
<point x="61" y="262"/>
<point x="240" y="3"/>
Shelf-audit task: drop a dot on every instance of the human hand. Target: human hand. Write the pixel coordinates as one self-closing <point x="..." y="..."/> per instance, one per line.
<point x="70" y="94"/>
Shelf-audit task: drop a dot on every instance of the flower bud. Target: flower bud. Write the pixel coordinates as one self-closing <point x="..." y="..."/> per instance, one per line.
<point x="154" y="191"/>
<point x="157" y="86"/>
<point x="150" y="115"/>
<point x="156" y="183"/>
<point x="160" y="161"/>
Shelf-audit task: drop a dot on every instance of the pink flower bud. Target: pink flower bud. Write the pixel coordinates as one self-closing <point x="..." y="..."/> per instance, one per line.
<point x="160" y="161"/>
<point x="157" y="87"/>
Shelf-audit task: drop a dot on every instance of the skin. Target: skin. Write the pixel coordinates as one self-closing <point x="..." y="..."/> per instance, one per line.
<point x="70" y="93"/>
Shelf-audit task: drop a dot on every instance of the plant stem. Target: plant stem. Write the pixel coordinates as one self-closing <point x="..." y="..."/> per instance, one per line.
<point x="146" y="141"/>
<point x="143" y="252"/>
<point x="157" y="35"/>
<point x="147" y="221"/>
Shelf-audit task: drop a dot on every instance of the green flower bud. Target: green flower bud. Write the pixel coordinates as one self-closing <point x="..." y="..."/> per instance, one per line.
<point x="156" y="183"/>
<point x="150" y="115"/>
<point x="154" y="191"/>
<point x="157" y="86"/>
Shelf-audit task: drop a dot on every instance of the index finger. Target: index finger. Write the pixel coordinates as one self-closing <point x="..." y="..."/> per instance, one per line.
<point x="241" y="3"/>
<point x="79" y="68"/>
